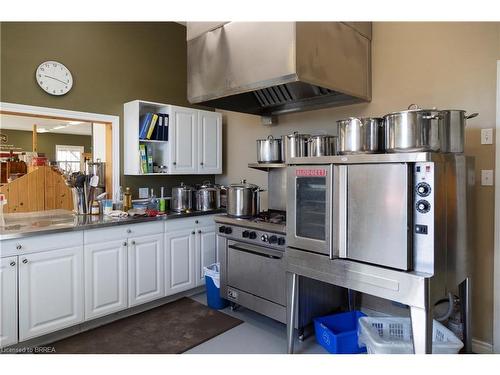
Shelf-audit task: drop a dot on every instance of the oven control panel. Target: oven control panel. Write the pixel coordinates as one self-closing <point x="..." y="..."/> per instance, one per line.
<point x="257" y="237"/>
<point x="423" y="216"/>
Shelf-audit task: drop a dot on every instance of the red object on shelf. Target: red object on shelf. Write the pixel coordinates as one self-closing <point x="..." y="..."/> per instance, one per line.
<point x="39" y="161"/>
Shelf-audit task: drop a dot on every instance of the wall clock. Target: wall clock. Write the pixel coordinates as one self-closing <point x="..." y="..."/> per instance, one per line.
<point x="54" y="78"/>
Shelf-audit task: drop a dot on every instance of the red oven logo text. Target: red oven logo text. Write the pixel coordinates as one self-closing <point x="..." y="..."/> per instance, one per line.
<point x="310" y="172"/>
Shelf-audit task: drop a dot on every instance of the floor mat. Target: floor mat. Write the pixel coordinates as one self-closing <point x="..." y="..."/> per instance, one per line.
<point x="169" y="329"/>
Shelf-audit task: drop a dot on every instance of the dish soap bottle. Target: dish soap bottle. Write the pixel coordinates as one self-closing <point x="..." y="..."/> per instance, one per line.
<point x="162" y="200"/>
<point x="127" y="200"/>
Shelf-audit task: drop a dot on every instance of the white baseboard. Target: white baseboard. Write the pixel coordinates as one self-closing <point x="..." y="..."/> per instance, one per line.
<point x="481" y="347"/>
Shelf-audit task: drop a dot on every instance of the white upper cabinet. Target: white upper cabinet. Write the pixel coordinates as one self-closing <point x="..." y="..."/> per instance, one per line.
<point x="8" y="301"/>
<point x="183" y="140"/>
<point x="50" y="291"/>
<point x="209" y="142"/>
<point x="193" y="144"/>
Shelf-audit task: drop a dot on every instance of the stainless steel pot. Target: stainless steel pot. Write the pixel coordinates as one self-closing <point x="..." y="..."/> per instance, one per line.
<point x="359" y="135"/>
<point x="321" y="145"/>
<point x="413" y="130"/>
<point x="296" y="145"/>
<point x="453" y="130"/>
<point x="269" y="150"/>
<point x="243" y="199"/>
<point x="182" y="198"/>
<point x="207" y="197"/>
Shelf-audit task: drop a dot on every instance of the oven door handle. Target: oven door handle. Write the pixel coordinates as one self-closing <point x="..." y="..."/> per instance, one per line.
<point x="255" y="251"/>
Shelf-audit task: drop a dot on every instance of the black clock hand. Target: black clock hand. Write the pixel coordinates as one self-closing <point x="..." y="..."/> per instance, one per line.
<point x="55" y="79"/>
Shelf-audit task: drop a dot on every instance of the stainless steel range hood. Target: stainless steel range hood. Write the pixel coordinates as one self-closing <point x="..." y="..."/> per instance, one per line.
<point x="271" y="68"/>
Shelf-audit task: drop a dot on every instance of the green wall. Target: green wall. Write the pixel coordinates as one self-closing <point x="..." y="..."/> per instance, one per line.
<point x="111" y="62"/>
<point x="46" y="141"/>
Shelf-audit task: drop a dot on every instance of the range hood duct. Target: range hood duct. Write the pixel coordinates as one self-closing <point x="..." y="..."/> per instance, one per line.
<point x="272" y="68"/>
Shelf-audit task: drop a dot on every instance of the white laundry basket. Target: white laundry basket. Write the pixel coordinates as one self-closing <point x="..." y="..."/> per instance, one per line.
<point x="391" y="335"/>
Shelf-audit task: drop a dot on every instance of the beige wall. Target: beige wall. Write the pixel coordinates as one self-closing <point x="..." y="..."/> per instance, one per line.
<point x="444" y="65"/>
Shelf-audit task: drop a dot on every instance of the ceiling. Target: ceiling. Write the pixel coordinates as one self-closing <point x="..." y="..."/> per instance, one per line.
<point x="45" y="125"/>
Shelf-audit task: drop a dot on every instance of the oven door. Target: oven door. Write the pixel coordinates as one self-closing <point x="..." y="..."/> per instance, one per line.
<point x="256" y="270"/>
<point x="374" y="224"/>
<point x="309" y="209"/>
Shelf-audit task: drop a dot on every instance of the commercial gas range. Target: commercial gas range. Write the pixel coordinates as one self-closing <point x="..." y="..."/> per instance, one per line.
<point x="251" y="254"/>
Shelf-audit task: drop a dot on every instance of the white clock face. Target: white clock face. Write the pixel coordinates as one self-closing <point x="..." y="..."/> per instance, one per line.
<point x="54" y="78"/>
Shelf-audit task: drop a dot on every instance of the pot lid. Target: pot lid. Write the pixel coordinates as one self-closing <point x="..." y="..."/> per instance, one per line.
<point x="270" y="138"/>
<point x="323" y="136"/>
<point x="183" y="187"/>
<point x="297" y="135"/>
<point x="413" y="108"/>
<point x="243" y="184"/>
<point x="207" y="185"/>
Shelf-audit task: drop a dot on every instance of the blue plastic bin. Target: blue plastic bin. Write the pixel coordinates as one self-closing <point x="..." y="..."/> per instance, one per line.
<point x="212" y="283"/>
<point x="338" y="333"/>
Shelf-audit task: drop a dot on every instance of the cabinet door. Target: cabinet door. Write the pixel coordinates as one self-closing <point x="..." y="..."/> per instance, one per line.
<point x="8" y="301"/>
<point x="145" y="269"/>
<point x="209" y="142"/>
<point x="50" y="291"/>
<point x="183" y="140"/>
<point x="205" y="251"/>
<point x="179" y="261"/>
<point x="105" y="278"/>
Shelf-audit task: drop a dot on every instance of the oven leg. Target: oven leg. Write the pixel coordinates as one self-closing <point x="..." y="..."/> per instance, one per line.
<point x="465" y="311"/>
<point x="421" y="324"/>
<point x="291" y="305"/>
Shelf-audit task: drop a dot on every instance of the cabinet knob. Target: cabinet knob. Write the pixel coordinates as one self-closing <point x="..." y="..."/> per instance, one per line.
<point x="133" y="242"/>
<point x="25" y="261"/>
<point x="199" y="231"/>
<point x="19" y="246"/>
<point x="201" y="163"/>
<point x="12" y="264"/>
<point x="174" y="163"/>
<point x="193" y="232"/>
<point x="129" y="231"/>
<point x="125" y="243"/>
<point x="196" y="221"/>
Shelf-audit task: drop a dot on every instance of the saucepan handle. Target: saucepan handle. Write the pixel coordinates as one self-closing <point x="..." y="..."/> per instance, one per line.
<point x="413" y="106"/>
<point x="472" y="115"/>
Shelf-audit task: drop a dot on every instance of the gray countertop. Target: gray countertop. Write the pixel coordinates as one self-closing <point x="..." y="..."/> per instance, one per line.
<point x="54" y="221"/>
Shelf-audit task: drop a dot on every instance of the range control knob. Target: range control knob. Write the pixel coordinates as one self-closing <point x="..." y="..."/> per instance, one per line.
<point x="423" y="206"/>
<point x="252" y="235"/>
<point x="281" y="241"/>
<point x="245" y="234"/>
<point x="264" y="238"/>
<point x="273" y="239"/>
<point x="228" y="230"/>
<point x="222" y="229"/>
<point x="423" y="189"/>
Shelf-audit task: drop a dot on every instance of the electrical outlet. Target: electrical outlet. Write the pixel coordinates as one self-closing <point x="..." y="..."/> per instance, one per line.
<point x="487" y="136"/>
<point x="143" y="192"/>
<point x="487" y="177"/>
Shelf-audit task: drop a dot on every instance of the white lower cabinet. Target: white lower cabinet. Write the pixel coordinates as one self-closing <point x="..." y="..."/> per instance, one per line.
<point x="205" y="251"/>
<point x="50" y="291"/>
<point x="145" y="269"/>
<point x="105" y="278"/>
<point x="179" y="260"/>
<point x="8" y="301"/>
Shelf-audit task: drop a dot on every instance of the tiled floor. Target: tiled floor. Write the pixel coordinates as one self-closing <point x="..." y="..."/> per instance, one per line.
<point x="257" y="335"/>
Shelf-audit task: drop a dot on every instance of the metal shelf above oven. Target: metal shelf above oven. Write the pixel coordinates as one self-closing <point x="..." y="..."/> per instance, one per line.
<point x="266" y="166"/>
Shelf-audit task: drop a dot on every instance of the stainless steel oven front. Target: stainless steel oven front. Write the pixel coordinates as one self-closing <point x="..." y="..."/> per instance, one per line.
<point x="309" y="207"/>
<point x="362" y="212"/>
